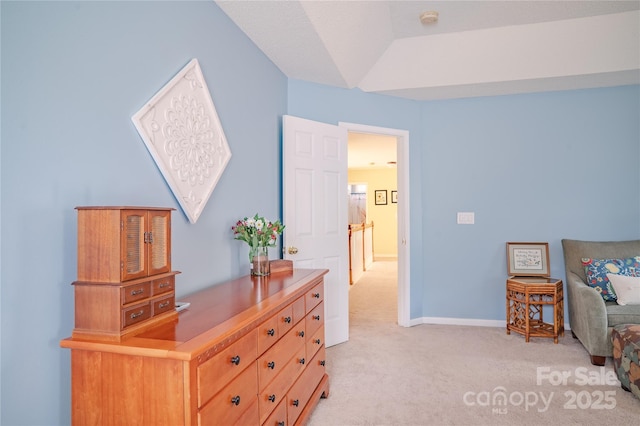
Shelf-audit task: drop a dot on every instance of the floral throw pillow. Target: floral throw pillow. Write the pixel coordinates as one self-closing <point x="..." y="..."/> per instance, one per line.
<point x="596" y="271"/>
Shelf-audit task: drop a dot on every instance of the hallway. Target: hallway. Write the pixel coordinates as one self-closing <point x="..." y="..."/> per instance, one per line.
<point x="373" y="299"/>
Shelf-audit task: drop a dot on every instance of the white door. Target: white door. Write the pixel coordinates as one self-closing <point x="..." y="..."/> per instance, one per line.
<point x="315" y="212"/>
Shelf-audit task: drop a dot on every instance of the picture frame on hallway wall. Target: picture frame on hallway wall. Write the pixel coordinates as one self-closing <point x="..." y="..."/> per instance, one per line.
<point x="394" y="197"/>
<point x="525" y="259"/>
<point x="380" y="197"/>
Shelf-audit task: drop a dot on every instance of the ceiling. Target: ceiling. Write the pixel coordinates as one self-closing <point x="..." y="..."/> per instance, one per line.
<point x="476" y="48"/>
<point x="367" y="151"/>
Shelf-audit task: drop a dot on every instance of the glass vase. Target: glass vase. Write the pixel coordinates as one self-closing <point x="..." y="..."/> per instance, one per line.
<point x="259" y="261"/>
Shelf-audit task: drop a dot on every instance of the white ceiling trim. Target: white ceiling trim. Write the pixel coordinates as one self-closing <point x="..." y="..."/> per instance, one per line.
<point x="355" y="20"/>
<point x="593" y="46"/>
<point x="477" y="48"/>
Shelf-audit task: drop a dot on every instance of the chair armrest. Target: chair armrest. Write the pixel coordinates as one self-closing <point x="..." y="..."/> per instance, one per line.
<point x="587" y="310"/>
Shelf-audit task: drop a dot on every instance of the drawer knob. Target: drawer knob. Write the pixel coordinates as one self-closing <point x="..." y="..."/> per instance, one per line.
<point x="235" y="360"/>
<point x="271" y="332"/>
<point x="322" y="363"/>
<point x="280" y="423"/>
<point x="271" y="365"/>
<point x="164" y="304"/>
<point x="302" y="361"/>
<point x="295" y="402"/>
<point x="272" y="398"/>
<point x="317" y="341"/>
<point x="137" y="292"/>
<point x="301" y="334"/>
<point x="163" y="285"/>
<point x="287" y="319"/>
<point x="316" y="317"/>
<point x="316" y="295"/>
<point x="235" y="400"/>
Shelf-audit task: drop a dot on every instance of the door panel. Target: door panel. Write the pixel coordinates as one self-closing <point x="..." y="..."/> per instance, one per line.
<point x="315" y="212"/>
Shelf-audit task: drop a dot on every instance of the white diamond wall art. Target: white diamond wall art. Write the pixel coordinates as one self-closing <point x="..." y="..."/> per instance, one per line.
<point x="182" y="131"/>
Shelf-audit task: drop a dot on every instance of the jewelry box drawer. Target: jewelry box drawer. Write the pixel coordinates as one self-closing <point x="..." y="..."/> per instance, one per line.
<point x="163" y="304"/>
<point x="135" y="314"/>
<point x="133" y="293"/>
<point x="164" y="285"/>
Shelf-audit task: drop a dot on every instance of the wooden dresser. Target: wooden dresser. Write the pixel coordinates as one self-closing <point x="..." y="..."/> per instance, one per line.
<point x="246" y="352"/>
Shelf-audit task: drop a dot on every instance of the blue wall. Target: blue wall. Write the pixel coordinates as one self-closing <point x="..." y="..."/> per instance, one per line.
<point x="73" y="74"/>
<point x="533" y="167"/>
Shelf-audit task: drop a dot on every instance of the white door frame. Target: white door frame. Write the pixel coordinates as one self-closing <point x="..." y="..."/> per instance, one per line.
<point x="402" y="136"/>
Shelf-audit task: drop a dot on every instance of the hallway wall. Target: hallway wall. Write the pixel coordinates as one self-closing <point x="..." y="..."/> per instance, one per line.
<point x="384" y="217"/>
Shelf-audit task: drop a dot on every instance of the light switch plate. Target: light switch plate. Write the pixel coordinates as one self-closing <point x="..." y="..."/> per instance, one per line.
<point x="466" y="218"/>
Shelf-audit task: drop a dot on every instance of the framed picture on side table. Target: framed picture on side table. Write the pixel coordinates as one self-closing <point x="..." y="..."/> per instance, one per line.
<point x="528" y="259"/>
<point x="381" y="197"/>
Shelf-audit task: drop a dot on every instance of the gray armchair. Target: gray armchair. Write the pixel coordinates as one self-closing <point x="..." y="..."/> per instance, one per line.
<point x="590" y="317"/>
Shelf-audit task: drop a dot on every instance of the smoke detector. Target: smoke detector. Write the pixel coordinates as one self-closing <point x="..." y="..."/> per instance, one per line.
<point x="429" y="17"/>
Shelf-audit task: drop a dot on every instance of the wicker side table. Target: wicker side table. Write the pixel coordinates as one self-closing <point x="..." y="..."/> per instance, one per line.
<point x="526" y="298"/>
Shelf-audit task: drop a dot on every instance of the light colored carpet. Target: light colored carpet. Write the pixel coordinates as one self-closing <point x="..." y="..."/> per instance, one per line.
<point x="458" y="375"/>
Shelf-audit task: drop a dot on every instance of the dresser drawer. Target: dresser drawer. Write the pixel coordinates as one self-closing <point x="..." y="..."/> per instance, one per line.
<point x="133" y="293"/>
<point x="235" y="401"/>
<point x="279" y="416"/>
<point x="272" y="362"/>
<point x="317" y="366"/>
<point x="163" y="304"/>
<point x="268" y="334"/>
<point x="314" y="296"/>
<point x="315" y="319"/>
<point x="315" y="342"/>
<point x="216" y="372"/>
<point x="285" y="320"/>
<point x="135" y="314"/>
<point x="299" y="311"/>
<point x="275" y="392"/>
<point x="301" y="391"/>
<point x="164" y="285"/>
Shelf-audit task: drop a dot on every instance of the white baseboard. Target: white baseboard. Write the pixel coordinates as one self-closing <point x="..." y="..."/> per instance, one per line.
<point x="463" y="321"/>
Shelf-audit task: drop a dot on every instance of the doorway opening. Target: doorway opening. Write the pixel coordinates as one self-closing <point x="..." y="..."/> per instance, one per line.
<point x="386" y="181"/>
